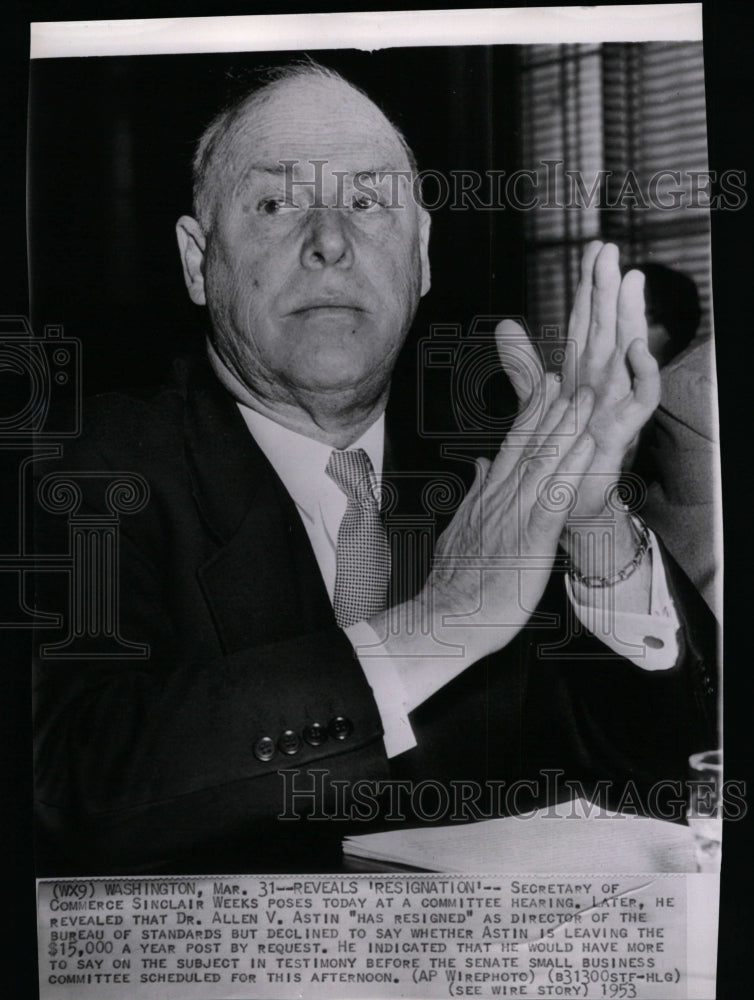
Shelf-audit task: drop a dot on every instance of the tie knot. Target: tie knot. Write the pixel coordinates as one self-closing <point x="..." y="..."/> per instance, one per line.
<point x="352" y="471"/>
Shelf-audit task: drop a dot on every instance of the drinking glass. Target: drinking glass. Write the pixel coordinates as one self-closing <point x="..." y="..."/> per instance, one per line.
<point x="705" y="810"/>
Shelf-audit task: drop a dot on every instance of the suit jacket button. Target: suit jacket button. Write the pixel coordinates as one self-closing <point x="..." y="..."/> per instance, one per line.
<point x="264" y="749"/>
<point x="315" y="735"/>
<point x="340" y="727"/>
<point x="289" y="742"/>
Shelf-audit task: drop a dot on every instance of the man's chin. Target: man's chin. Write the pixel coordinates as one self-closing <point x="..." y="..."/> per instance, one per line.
<point x="330" y="373"/>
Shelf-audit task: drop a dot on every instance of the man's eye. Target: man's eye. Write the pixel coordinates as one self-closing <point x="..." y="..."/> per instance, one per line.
<point x="365" y="203"/>
<point x="276" y="206"/>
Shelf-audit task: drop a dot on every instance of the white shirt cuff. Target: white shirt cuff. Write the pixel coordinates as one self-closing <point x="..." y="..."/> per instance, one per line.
<point x="649" y="641"/>
<point x="387" y="688"/>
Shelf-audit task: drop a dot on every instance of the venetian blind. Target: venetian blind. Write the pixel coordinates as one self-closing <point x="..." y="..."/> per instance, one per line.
<point x="618" y="133"/>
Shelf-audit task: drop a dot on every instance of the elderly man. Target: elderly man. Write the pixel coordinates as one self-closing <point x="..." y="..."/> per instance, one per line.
<point x="280" y="637"/>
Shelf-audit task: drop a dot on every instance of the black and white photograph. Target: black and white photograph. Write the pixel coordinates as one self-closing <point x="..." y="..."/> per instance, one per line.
<point x="364" y="427"/>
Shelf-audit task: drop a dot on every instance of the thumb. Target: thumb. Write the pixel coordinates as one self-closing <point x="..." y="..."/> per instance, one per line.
<point x="520" y="360"/>
<point x="480" y="476"/>
<point x="463" y="515"/>
<point x="647" y="386"/>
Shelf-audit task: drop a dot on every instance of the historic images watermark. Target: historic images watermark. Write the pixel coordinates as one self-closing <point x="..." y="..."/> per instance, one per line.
<point x="548" y="185"/>
<point x="314" y="796"/>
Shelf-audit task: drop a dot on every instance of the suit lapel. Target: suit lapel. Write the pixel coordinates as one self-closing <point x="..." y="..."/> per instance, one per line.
<point x="262" y="583"/>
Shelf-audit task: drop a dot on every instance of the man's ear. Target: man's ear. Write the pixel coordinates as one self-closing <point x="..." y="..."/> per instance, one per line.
<point x="424" y="226"/>
<point x="191" y="245"/>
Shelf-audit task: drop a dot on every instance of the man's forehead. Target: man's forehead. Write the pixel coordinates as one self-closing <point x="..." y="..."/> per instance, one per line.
<point x="338" y="168"/>
<point x="310" y="118"/>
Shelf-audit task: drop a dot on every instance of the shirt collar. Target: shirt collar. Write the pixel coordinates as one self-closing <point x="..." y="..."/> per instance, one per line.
<point x="300" y="461"/>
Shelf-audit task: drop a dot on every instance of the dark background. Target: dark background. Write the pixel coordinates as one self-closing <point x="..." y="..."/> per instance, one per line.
<point x="130" y="332"/>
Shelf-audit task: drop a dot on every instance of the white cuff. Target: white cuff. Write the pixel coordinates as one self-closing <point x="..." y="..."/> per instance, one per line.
<point x="649" y="641"/>
<point x="387" y="688"/>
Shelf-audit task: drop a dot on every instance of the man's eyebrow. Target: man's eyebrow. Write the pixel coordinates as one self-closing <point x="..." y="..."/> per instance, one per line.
<point x="265" y="168"/>
<point x="250" y="172"/>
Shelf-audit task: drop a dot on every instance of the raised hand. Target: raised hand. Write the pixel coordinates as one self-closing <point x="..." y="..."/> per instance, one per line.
<point x="493" y="561"/>
<point x="607" y="351"/>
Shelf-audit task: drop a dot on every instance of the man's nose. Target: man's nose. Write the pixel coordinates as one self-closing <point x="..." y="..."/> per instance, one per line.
<point x="327" y="242"/>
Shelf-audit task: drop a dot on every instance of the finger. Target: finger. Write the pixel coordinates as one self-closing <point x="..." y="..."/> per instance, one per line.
<point x="520" y="361"/>
<point x="480" y="476"/>
<point x="535" y="389"/>
<point x="578" y="321"/>
<point x="475" y="490"/>
<point x="552" y="417"/>
<point x="550" y="454"/>
<point x="530" y="417"/>
<point x="601" y="337"/>
<point x="516" y="447"/>
<point x="465" y="519"/>
<point x="632" y="320"/>
<point x="482" y="471"/>
<point x="553" y="388"/>
<point x="616" y="383"/>
<point x="646" y="377"/>
<point x="547" y="519"/>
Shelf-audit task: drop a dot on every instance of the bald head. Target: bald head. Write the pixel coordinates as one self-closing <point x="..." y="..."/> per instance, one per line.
<point x="315" y="93"/>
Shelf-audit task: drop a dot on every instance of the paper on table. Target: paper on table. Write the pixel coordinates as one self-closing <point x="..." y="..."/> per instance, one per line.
<point x="570" y="837"/>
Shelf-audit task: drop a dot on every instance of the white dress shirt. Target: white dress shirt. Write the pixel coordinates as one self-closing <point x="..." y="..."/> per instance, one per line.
<point x="647" y="640"/>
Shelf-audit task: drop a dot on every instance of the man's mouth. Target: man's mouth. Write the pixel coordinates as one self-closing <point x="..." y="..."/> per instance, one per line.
<point x="325" y="306"/>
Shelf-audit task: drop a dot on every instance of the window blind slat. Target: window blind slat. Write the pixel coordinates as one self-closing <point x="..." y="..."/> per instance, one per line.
<point x="636" y="108"/>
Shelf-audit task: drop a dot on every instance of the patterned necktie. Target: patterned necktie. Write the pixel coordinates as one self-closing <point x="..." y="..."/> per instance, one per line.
<point x="363" y="563"/>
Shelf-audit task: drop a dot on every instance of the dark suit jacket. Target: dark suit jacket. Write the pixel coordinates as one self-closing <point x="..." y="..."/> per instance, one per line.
<point x="680" y="458"/>
<point x="150" y="765"/>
